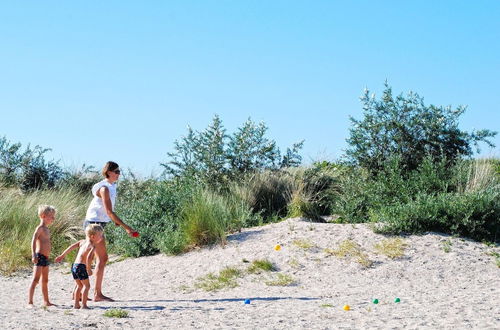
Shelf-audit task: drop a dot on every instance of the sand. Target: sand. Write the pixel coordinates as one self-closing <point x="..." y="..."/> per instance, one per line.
<point x="443" y="282"/>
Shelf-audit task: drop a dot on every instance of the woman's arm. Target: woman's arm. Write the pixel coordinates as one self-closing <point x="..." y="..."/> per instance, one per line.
<point x="68" y="250"/>
<point x="108" y="207"/>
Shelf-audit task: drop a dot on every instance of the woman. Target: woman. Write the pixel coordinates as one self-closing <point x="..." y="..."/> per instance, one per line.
<point x="101" y="212"/>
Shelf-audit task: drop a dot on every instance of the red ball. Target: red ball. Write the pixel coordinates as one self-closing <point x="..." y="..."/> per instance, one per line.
<point x="135" y="234"/>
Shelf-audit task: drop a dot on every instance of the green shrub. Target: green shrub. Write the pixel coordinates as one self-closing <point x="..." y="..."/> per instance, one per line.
<point x="152" y="208"/>
<point x="116" y="312"/>
<point x="474" y="214"/>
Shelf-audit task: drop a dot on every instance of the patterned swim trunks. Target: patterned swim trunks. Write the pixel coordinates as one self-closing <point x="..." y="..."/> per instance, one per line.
<point x="43" y="261"/>
<point x="79" y="272"/>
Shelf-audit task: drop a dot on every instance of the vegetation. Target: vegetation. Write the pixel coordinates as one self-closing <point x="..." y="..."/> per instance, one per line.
<point x="19" y="218"/>
<point x="407" y="169"/>
<point x="405" y="126"/>
<point x="281" y="280"/>
<point x="391" y="247"/>
<point x="259" y="266"/>
<point x="116" y="312"/>
<point x="349" y="249"/>
<point x="225" y="279"/>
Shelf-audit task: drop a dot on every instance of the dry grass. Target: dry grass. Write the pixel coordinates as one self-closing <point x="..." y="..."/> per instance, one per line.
<point x="351" y="250"/>
<point x="391" y="247"/>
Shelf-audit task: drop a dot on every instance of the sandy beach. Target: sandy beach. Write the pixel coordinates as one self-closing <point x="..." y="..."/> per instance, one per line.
<point x="442" y="282"/>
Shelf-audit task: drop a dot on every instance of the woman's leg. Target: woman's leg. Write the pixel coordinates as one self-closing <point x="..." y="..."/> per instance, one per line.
<point x="101" y="258"/>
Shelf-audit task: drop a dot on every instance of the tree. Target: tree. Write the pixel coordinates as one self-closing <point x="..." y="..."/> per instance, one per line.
<point x="214" y="157"/>
<point x="407" y="128"/>
<point x="27" y="169"/>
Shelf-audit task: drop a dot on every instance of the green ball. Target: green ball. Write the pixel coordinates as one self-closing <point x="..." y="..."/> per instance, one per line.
<point x="397" y="300"/>
<point x="375" y="301"/>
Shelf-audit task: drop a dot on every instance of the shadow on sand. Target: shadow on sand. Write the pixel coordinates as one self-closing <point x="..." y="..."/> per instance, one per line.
<point x="157" y="307"/>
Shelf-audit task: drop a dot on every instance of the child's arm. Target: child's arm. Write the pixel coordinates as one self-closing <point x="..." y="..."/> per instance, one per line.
<point x="34" y="259"/>
<point x="68" y="250"/>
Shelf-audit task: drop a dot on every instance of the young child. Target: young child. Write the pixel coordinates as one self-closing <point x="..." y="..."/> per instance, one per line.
<point x="40" y="252"/>
<point x="81" y="268"/>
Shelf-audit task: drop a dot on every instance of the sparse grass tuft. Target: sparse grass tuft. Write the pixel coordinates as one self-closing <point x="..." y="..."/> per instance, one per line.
<point x="326" y="305"/>
<point x="258" y="266"/>
<point x="281" y="280"/>
<point x="350" y="249"/>
<point x="294" y="263"/>
<point x="303" y="244"/>
<point x="116" y="312"/>
<point x="496" y="255"/>
<point x="225" y="279"/>
<point x="391" y="247"/>
<point x="446" y="245"/>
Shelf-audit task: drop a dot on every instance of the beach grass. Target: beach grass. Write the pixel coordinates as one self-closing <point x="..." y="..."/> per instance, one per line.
<point x="391" y="247"/>
<point x="116" y="312"/>
<point x="281" y="280"/>
<point x="261" y="265"/>
<point x="18" y="220"/>
<point x="349" y="249"/>
<point x="225" y="279"/>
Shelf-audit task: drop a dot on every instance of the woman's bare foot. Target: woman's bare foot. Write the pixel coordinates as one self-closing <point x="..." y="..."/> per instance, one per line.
<point x="76" y="307"/>
<point x="102" y="298"/>
<point x="47" y="304"/>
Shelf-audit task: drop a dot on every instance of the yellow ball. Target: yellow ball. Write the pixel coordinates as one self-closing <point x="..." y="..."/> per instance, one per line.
<point x="277" y="247"/>
<point x="346" y="307"/>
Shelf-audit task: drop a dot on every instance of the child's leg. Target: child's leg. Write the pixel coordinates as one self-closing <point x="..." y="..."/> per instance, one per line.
<point x="45" y="286"/>
<point x="85" y="292"/>
<point x="79" y="286"/>
<point x="37" y="272"/>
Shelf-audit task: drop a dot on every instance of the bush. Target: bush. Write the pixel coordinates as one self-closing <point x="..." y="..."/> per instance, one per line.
<point x="406" y="127"/>
<point x="152" y="208"/>
<point x="215" y="158"/>
<point x="474" y="215"/>
<point x="463" y="199"/>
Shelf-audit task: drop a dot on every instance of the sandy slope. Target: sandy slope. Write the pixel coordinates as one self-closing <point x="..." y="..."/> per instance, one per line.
<point x="438" y="290"/>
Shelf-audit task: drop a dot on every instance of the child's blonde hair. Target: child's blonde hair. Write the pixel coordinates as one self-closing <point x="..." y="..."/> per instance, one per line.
<point x="46" y="209"/>
<point x="93" y="229"/>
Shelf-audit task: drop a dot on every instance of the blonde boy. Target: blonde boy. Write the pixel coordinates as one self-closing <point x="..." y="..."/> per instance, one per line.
<point x="81" y="267"/>
<point x="40" y="252"/>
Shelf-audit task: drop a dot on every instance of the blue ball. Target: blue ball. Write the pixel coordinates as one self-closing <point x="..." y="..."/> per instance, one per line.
<point x="247" y="301"/>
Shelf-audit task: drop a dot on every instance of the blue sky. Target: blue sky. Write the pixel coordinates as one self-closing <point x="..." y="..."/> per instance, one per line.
<point x="121" y="80"/>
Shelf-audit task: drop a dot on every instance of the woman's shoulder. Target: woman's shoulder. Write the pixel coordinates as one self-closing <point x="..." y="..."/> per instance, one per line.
<point x="100" y="184"/>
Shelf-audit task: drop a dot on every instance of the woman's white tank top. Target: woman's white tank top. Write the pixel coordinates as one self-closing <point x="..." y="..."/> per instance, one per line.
<point x="96" y="211"/>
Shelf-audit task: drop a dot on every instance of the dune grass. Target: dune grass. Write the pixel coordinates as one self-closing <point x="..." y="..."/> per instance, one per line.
<point x="261" y="265"/>
<point x="116" y="312"/>
<point x="281" y="280"/>
<point x="225" y="279"/>
<point x="349" y="249"/>
<point x="391" y="247"/>
<point x="18" y="220"/>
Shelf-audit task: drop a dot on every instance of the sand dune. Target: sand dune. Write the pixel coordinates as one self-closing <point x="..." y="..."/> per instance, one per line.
<point x="442" y="282"/>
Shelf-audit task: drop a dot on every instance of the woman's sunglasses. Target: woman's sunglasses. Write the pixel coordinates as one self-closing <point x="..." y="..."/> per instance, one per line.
<point x="116" y="171"/>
